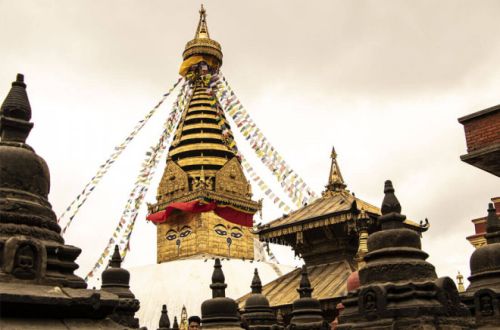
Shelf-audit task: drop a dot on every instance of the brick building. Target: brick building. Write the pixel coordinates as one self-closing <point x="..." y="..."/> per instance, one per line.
<point x="482" y="133"/>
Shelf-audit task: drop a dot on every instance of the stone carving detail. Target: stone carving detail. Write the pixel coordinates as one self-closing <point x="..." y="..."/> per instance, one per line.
<point x="231" y="179"/>
<point x="24" y="258"/>
<point x="173" y="183"/>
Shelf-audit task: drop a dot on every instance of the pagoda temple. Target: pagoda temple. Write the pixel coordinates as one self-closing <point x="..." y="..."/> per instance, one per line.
<point x="330" y="234"/>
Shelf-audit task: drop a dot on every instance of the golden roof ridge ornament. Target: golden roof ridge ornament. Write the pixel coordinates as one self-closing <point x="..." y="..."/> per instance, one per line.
<point x="335" y="180"/>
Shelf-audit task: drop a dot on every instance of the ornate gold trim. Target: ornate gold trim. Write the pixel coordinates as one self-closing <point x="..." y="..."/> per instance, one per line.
<point x="202" y="161"/>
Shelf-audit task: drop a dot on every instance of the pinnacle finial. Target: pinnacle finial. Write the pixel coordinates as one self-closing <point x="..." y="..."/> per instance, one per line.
<point x="175" y="326"/>
<point x="335" y="180"/>
<point x="305" y="289"/>
<point x="116" y="259"/>
<point x="256" y="283"/>
<point x="202" y="30"/>
<point x="164" y="320"/>
<point x="492" y="223"/>
<point x="15" y="113"/>
<point x="218" y="286"/>
<point x="390" y="203"/>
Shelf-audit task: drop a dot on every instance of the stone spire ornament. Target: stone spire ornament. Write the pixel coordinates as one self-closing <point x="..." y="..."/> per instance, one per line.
<point x="219" y="312"/>
<point x="257" y="311"/>
<point x="175" y="326"/>
<point x="116" y="280"/>
<point x="398" y="288"/>
<point x="483" y="294"/>
<point x="164" y="323"/>
<point x="37" y="285"/>
<point x="306" y="313"/>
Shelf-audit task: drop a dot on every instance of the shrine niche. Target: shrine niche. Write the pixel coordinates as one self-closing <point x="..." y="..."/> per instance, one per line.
<point x="173" y="182"/>
<point x="24" y="259"/>
<point x="231" y="179"/>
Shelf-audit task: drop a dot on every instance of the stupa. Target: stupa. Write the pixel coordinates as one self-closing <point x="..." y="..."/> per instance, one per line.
<point x="204" y="208"/>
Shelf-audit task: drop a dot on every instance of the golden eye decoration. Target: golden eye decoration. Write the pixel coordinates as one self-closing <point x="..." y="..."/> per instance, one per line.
<point x="185" y="231"/>
<point x="220" y="230"/>
<point x="236" y="232"/>
<point x="171" y="235"/>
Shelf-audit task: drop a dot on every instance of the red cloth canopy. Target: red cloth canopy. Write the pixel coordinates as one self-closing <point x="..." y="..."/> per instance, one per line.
<point x="225" y="212"/>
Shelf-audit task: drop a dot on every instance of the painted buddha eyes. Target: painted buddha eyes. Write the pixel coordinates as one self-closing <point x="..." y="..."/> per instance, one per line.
<point x="171" y="235"/>
<point x="184" y="232"/>
<point x="222" y="230"/>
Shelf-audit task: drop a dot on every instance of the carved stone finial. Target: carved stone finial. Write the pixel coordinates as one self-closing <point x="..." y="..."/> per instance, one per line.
<point x="175" y="326"/>
<point x="15" y="113"/>
<point x="116" y="259"/>
<point x="164" y="320"/>
<point x="305" y="289"/>
<point x="390" y="203"/>
<point x="256" y="283"/>
<point x="492" y="225"/>
<point x="218" y="286"/>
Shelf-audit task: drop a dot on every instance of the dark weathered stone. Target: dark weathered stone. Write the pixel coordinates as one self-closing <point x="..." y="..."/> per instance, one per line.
<point x="116" y="280"/>
<point x="306" y="313"/>
<point x="37" y="285"/>
<point x="164" y="323"/>
<point x="483" y="294"/>
<point x="257" y="312"/>
<point x="219" y="312"/>
<point x="398" y="288"/>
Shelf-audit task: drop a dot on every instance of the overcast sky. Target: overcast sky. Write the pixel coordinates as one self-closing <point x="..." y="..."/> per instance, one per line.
<point x="383" y="81"/>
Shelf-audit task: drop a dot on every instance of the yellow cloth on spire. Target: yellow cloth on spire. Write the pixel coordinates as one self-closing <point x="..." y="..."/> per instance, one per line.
<point x="189" y="62"/>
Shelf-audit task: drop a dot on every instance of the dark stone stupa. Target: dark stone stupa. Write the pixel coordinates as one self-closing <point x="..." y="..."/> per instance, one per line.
<point x="116" y="280"/>
<point x="398" y="288"/>
<point x="306" y="313"/>
<point x="38" y="288"/>
<point x="257" y="312"/>
<point x="220" y="312"/>
<point x="483" y="294"/>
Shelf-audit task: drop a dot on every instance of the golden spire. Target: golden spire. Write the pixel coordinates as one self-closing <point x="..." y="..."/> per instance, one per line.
<point x="202" y="30"/>
<point x="335" y="181"/>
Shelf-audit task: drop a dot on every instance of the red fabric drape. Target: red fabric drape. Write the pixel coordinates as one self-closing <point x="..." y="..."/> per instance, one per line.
<point x="225" y="212"/>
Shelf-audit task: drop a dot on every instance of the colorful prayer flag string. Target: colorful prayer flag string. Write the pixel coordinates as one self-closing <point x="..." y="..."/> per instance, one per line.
<point x="123" y="231"/>
<point x="263" y="186"/>
<point x="77" y="203"/>
<point x="289" y="180"/>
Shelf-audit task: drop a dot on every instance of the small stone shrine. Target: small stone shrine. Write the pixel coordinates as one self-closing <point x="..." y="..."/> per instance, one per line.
<point x="398" y="288"/>
<point x="219" y="312"/>
<point x="483" y="294"/>
<point x="306" y="312"/>
<point x="257" y="312"/>
<point x="38" y="289"/>
<point x="116" y="280"/>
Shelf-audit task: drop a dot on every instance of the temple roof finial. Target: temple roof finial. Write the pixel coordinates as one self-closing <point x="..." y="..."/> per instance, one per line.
<point x="164" y="320"/>
<point x="390" y="203"/>
<point x="202" y="30"/>
<point x="335" y="180"/>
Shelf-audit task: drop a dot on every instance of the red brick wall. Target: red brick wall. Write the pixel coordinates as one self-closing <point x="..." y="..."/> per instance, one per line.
<point x="482" y="131"/>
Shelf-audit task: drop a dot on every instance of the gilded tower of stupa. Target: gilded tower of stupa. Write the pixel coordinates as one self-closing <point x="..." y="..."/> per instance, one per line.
<point x="203" y="184"/>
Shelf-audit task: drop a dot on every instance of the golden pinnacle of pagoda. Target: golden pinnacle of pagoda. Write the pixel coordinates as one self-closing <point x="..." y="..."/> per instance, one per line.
<point x="335" y="180"/>
<point x="201" y="48"/>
